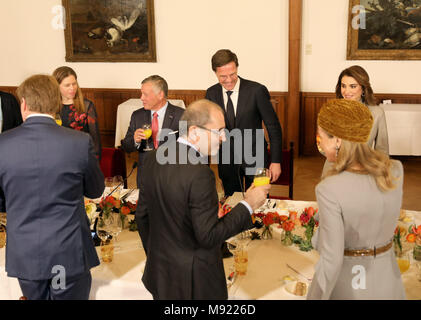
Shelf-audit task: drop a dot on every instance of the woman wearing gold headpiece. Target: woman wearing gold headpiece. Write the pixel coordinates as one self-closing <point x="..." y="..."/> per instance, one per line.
<point x="354" y="84"/>
<point x="359" y="201"/>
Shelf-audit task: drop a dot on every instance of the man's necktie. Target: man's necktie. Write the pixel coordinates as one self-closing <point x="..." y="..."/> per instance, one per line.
<point x="155" y="129"/>
<point x="230" y="111"/>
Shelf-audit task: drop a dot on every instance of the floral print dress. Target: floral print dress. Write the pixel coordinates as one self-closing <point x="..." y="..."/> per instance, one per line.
<point x="86" y="122"/>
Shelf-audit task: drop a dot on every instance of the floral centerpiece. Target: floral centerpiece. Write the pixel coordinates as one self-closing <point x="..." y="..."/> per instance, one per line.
<point x="309" y="223"/>
<point x="288" y="225"/>
<point x="268" y="219"/>
<point x="223" y="209"/>
<point x="110" y="204"/>
<point x="414" y="236"/>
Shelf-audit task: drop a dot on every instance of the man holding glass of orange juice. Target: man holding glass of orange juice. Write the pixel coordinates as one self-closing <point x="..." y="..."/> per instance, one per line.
<point x="146" y="123"/>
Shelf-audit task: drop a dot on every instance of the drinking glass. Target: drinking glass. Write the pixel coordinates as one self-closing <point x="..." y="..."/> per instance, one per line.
<point x="103" y="231"/>
<point x="262" y="177"/>
<point x="239" y="250"/>
<point x="116" y="225"/>
<point x="403" y="260"/>
<point x="118" y="183"/>
<point x="147" y="132"/>
<point x="58" y="120"/>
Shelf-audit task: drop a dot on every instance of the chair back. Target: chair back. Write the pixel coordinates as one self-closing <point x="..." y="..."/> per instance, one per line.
<point x="287" y="175"/>
<point x="113" y="163"/>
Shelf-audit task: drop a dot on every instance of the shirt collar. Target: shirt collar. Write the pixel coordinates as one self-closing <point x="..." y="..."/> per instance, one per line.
<point x="161" y="112"/>
<point x="39" y="115"/>
<point x="184" y="141"/>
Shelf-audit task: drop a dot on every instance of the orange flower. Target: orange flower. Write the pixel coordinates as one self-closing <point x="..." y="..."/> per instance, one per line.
<point x="283" y="218"/>
<point x="125" y="210"/>
<point x="411" y="237"/>
<point x="288" y="225"/>
<point x="292" y="215"/>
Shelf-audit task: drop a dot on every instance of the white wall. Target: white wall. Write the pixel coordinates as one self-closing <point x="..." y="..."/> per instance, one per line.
<point x="188" y="32"/>
<point x="325" y="29"/>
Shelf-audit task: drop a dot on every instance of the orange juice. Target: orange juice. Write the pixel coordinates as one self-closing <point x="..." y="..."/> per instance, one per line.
<point x="240" y="262"/>
<point x="59" y="122"/>
<point x="147" y="133"/>
<point x="261" y="181"/>
<point x="403" y="264"/>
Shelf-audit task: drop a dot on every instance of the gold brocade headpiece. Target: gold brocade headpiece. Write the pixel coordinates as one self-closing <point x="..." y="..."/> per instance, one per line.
<point x="346" y="119"/>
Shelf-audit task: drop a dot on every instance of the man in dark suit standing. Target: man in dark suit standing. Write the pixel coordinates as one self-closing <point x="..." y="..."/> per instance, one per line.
<point x="245" y="104"/>
<point x="10" y="116"/>
<point x="156" y="110"/>
<point x="45" y="170"/>
<point x="178" y="210"/>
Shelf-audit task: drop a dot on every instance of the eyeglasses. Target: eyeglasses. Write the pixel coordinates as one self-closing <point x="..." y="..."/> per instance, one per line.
<point x="218" y="132"/>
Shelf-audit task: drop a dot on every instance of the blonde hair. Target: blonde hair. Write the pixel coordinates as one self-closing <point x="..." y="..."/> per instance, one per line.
<point x="63" y="72"/>
<point x="41" y="93"/>
<point x="373" y="162"/>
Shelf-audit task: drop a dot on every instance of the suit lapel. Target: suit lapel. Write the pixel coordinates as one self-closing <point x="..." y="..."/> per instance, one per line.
<point x="168" y="117"/>
<point x="242" y="101"/>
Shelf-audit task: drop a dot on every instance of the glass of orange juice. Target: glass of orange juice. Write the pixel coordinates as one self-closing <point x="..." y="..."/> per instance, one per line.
<point x="403" y="260"/>
<point x="147" y="131"/>
<point x="262" y="177"/>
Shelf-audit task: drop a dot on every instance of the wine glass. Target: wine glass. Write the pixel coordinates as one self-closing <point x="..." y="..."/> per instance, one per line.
<point x="58" y="120"/>
<point x="147" y="131"/>
<point x="103" y="228"/>
<point x="115" y="226"/>
<point x="118" y="183"/>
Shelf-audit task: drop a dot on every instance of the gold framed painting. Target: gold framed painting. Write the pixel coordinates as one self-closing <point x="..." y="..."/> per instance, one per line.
<point x="384" y="30"/>
<point x="110" y="30"/>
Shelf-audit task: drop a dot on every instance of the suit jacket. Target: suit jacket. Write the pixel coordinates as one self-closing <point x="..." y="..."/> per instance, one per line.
<point x="180" y="229"/>
<point x="138" y="119"/>
<point x="253" y="107"/>
<point x="356" y="214"/>
<point x="45" y="170"/>
<point x="11" y="111"/>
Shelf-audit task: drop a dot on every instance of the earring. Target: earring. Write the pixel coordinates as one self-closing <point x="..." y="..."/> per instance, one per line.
<point x="337" y="150"/>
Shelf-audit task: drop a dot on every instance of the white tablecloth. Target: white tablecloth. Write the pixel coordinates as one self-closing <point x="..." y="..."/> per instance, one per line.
<point x="124" y="113"/>
<point x="404" y="128"/>
<point x="121" y="279"/>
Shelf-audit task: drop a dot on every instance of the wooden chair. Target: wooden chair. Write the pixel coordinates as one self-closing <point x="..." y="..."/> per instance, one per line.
<point x="113" y="163"/>
<point x="287" y="175"/>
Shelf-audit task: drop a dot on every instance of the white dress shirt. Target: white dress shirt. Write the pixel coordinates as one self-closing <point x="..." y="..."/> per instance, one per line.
<point x="234" y="96"/>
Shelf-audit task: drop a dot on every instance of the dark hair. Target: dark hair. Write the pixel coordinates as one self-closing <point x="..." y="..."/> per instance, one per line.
<point x="361" y="76"/>
<point x="158" y="82"/>
<point x="223" y="57"/>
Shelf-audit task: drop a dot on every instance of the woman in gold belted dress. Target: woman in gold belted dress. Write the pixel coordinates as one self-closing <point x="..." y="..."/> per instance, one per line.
<point x="359" y="203"/>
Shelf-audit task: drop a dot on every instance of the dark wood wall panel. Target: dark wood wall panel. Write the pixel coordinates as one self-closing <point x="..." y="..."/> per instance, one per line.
<point x="107" y="100"/>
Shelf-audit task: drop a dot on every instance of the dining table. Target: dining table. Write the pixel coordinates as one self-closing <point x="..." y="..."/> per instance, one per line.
<point x="270" y="263"/>
<point x="124" y="113"/>
<point x="404" y="128"/>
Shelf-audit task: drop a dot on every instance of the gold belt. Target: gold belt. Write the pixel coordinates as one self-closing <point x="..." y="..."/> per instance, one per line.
<point x="367" y="252"/>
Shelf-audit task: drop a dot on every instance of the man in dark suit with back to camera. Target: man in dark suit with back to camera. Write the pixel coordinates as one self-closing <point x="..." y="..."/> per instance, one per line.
<point x="45" y="170"/>
<point x="178" y="215"/>
<point x="156" y="110"/>
<point x="245" y="104"/>
<point x="10" y="116"/>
